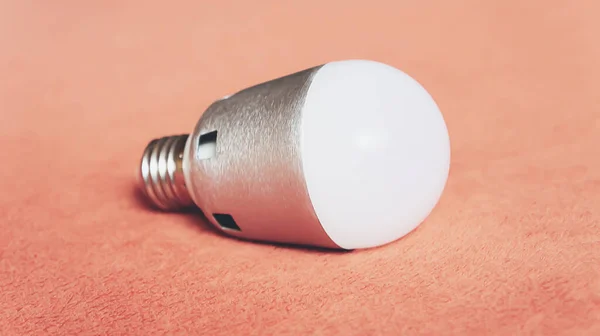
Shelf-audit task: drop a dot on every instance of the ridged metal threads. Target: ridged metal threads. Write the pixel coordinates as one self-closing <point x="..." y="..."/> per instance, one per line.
<point x="161" y="173"/>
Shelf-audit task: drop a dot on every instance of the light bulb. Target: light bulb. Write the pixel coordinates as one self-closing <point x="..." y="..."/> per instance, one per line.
<point x="350" y="154"/>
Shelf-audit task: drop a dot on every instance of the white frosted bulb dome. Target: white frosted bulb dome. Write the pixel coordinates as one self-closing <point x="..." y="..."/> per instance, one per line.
<point x="375" y="152"/>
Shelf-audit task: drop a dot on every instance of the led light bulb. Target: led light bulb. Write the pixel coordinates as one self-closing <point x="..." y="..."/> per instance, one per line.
<point x="350" y="154"/>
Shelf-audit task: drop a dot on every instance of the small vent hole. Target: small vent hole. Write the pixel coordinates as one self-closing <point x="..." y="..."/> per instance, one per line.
<point x="226" y="222"/>
<point x="207" y="145"/>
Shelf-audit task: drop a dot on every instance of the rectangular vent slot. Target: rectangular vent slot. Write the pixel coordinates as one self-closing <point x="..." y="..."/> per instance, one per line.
<point x="226" y="222"/>
<point x="207" y="145"/>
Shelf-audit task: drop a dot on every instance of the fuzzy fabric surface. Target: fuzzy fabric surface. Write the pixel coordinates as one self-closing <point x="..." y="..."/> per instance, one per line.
<point x="513" y="247"/>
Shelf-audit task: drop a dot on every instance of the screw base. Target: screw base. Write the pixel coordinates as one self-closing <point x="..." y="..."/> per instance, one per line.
<point x="161" y="176"/>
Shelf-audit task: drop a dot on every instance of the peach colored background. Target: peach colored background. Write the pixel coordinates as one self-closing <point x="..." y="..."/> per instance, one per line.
<point x="513" y="247"/>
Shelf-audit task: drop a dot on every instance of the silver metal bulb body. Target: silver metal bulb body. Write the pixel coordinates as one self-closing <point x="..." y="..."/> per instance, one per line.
<point x="252" y="185"/>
